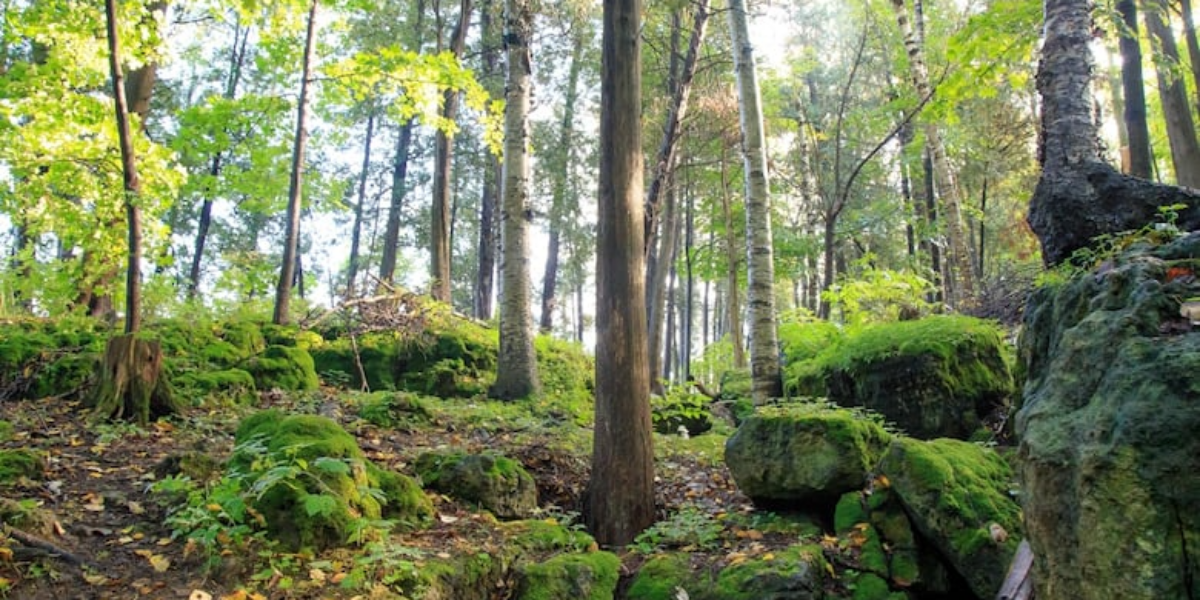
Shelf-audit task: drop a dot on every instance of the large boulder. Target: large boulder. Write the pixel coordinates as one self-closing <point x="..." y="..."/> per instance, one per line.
<point x="1109" y="449"/>
<point x="794" y="455"/>
<point x="795" y="573"/>
<point x="960" y="498"/>
<point x="934" y="377"/>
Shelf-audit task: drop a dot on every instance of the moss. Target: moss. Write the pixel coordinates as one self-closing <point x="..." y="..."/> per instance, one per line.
<point x="401" y="410"/>
<point x="229" y="387"/>
<point x="495" y="482"/>
<point x="869" y="586"/>
<point x="660" y="576"/>
<point x="403" y="498"/>
<point x="796" y="572"/>
<point x="377" y="353"/>
<point x="564" y="368"/>
<point x="20" y="462"/>
<point x="802" y="343"/>
<point x="284" y="368"/>
<point x="545" y="536"/>
<point x="41" y="358"/>
<point x="590" y="576"/>
<point x="6" y="431"/>
<point x="245" y="336"/>
<point x="26" y="516"/>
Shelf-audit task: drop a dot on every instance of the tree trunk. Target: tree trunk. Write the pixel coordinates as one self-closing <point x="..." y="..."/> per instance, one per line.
<point x="559" y="200"/>
<point x="131" y="383"/>
<point x="760" y="269"/>
<point x="734" y="314"/>
<point x="962" y="279"/>
<point x="1193" y="46"/>
<point x="1134" y="87"/>
<point x="620" y="497"/>
<point x="356" y="232"/>
<point x="492" y="37"/>
<point x="443" y="152"/>
<point x="1181" y="131"/>
<point x="656" y="278"/>
<point x="391" y="235"/>
<point x="516" y="364"/>
<point x="287" y="271"/>
<point x="1078" y="196"/>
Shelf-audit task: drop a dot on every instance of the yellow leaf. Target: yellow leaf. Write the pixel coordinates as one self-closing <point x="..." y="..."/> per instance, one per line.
<point x="337" y="578"/>
<point x="163" y="542"/>
<point x="143" y="553"/>
<point x="160" y="563"/>
<point x="95" y="578"/>
<point x="768" y="556"/>
<point x="213" y="507"/>
<point x="6" y="553"/>
<point x="883" y="482"/>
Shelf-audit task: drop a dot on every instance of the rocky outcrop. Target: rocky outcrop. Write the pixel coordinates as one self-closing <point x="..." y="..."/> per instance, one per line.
<point x="796" y="573"/>
<point x="797" y="455"/>
<point x="1108" y="424"/>
<point x="497" y="483"/>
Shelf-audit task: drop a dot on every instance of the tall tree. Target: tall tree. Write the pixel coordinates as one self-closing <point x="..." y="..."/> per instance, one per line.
<point x="760" y="269"/>
<point x="516" y="363"/>
<point x="963" y="283"/>
<point x="360" y="205"/>
<point x="131" y="378"/>
<point x="1181" y="129"/>
<point x="291" y="242"/>
<point x="620" y="496"/>
<point x="443" y="153"/>
<point x="492" y="34"/>
<point x="1133" y="86"/>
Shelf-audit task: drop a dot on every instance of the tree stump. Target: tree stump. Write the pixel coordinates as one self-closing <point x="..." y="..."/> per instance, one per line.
<point x="131" y="383"/>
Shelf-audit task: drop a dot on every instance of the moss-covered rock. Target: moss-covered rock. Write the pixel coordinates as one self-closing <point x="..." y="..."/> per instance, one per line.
<point x="229" y="387"/>
<point x="662" y="575"/>
<point x="794" y="455"/>
<point x="285" y="368"/>
<point x="802" y="343"/>
<point x="311" y="482"/>
<point x="497" y="483"/>
<point x="879" y="535"/>
<point x="395" y="410"/>
<point x="869" y="586"/>
<point x="378" y="355"/>
<point x="935" y="377"/>
<point x="795" y="573"/>
<point x="564" y="368"/>
<point x="41" y="357"/>
<point x="957" y="494"/>
<point x="1108" y="425"/>
<point x="16" y="463"/>
<point x="590" y="576"/>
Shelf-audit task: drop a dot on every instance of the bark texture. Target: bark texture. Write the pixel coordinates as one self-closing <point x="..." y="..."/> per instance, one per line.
<point x="760" y="266"/>
<point x="516" y="365"/>
<point x="1078" y="195"/>
<point x="620" y="501"/>
<point x="443" y="152"/>
<point x="1134" y="92"/>
<point x="1181" y="129"/>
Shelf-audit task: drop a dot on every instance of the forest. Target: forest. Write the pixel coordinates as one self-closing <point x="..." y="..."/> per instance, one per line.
<point x="515" y="299"/>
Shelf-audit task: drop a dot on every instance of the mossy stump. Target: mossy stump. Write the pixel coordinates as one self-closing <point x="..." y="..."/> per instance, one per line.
<point x="131" y="382"/>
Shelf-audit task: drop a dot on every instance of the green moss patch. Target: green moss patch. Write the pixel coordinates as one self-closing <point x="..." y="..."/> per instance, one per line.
<point x="591" y="576"/>
<point x="285" y="368"/>
<point x="19" y="463"/>
<point x="228" y="387"/>
<point x="497" y="483"/>
<point x="394" y="410"/>
<point x="41" y="358"/>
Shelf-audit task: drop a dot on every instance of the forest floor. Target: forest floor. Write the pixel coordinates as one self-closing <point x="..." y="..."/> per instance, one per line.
<point x="103" y="533"/>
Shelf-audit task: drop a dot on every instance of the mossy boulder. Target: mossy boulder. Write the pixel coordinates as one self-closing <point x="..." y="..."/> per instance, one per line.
<point x="378" y="355"/>
<point x="42" y="357"/>
<point x="584" y="576"/>
<point x="961" y="498"/>
<point x="794" y="455"/>
<point x="227" y="387"/>
<point x="394" y="410"/>
<point x="802" y="343"/>
<point x="496" y="483"/>
<point x="795" y="573"/>
<point x="565" y="369"/>
<point x="311" y="481"/>
<point x="285" y="368"/>
<point x="1108" y="444"/>
<point x="934" y="377"/>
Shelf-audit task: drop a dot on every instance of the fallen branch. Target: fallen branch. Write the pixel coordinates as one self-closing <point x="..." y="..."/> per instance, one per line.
<point x="33" y="541"/>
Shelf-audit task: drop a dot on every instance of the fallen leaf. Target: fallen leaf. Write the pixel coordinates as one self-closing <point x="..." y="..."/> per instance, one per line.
<point x="199" y="595"/>
<point x="135" y="508"/>
<point x="160" y="563"/>
<point x="163" y="542"/>
<point x="93" y="502"/>
<point x="447" y="518"/>
<point x="316" y="575"/>
<point x="95" y="578"/>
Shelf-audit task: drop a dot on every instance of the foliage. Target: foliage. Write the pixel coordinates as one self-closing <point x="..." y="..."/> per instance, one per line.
<point x="394" y="410"/>
<point x="879" y="295"/>
<point x="680" y="410"/>
<point x="690" y="528"/>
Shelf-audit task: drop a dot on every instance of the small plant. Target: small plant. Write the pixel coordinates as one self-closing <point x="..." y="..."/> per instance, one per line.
<point x="690" y="528"/>
<point x="679" y="410"/>
<point x="383" y="563"/>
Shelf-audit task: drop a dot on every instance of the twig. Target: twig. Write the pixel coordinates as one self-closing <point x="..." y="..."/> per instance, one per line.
<point x="362" y="373"/>
<point x="35" y="542"/>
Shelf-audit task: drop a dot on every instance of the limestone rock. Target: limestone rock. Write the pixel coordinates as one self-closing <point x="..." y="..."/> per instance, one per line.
<point x="797" y="454"/>
<point x="953" y="492"/>
<point x="796" y="573"/>
<point x="497" y="483"/>
<point x="1108" y="425"/>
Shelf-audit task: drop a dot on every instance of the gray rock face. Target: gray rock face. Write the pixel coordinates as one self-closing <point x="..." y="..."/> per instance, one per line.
<point x="801" y="454"/>
<point x="1109" y="429"/>
<point x="497" y="483"/>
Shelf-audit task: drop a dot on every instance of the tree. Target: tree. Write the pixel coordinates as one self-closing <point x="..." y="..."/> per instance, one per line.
<point x="516" y="363"/>
<point x="492" y="34"/>
<point x="131" y="384"/>
<point x="287" y="271"/>
<point x="764" y="348"/>
<point x="443" y="152"/>
<point x="1181" y="130"/>
<point x="620" y="496"/>
<point x="1133" y="86"/>
<point x="1079" y="196"/>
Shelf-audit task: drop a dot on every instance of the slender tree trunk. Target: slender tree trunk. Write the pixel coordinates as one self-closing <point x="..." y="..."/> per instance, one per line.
<point x="287" y="271"/>
<point x="1134" y="87"/>
<point x="982" y="227"/>
<point x="391" y="235"/>
<point x="1181" y="131"/>
<point x="656" y="278"/>
<point x="1193" y="46"/>
<point x="621" y="491"/>
<point x="356" y="233"/>
<point x="760" y="266"/>
<point x="561" y="176"/>
<point x="733" y="307"/>
<point x="690" y="301"/>
<point x="484" y="276"/>
<point x="443" y="152"/>
<point x="516" y="364"/>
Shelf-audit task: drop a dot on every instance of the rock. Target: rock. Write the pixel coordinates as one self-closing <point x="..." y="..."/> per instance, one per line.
<point x="497" y="483"/>
<point x="795" y="573"/>
<point x="797" y="454"/>
<point x="1107" y="428"/>
<point x="311" y="482"/>
<point x="953" y="492"/>
<point x="934" y="377"/>
<point x="285" y="368"/>
<point x="586" y="576"/>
